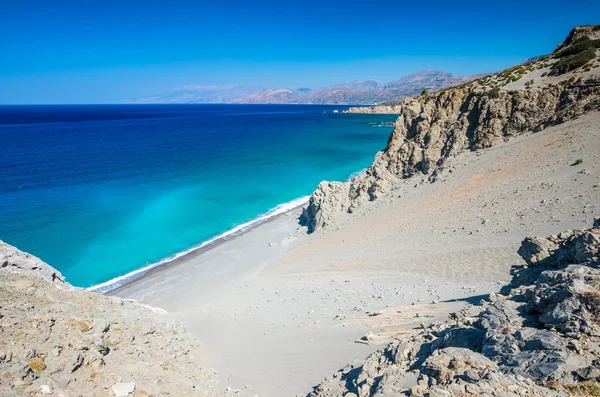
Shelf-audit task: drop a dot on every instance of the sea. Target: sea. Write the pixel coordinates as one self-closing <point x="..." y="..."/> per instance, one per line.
<point x="105" y="192"/>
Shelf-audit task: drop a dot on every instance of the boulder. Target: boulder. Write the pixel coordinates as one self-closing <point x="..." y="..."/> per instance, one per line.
<point x="539" y="339"/>
<point x="447" y="364"/>
<point x="123" y="389"/>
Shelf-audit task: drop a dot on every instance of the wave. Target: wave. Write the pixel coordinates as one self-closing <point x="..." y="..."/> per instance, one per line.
<point x="119" y="281"/>
<point x="357" y="173"/>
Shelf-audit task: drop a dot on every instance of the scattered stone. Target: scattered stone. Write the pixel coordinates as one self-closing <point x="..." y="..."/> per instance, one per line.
<point x="543" y="330"/>
<point x="123" y="389"/>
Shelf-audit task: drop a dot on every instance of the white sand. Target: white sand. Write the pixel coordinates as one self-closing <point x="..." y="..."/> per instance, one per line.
<point x="281" y="318"/>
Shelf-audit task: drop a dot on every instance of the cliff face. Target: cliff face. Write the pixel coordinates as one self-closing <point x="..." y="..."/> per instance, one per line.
<point x="379" y="109"/>
<point x="589" y="31"/>
<point x="14" y="261"/>
<point x="432" y="128"/>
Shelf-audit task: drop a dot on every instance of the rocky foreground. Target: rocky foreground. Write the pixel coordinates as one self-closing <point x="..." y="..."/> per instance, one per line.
<point x="539" y="337"/>
<point x="434" y="128"/>
<point x="56" y="339"/>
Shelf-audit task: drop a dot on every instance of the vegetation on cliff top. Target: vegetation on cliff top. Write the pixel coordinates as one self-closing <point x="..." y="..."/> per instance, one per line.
<point x="582" y="51"/>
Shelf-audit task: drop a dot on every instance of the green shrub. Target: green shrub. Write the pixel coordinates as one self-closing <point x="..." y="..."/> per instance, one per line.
<point x="574" y="61"/>
<point x="494" y="92"/>
<point x="578" y="161"/>
<point x="596" y="28"/>
<point x="424" y="92"/>
<point x="579" y="45"/>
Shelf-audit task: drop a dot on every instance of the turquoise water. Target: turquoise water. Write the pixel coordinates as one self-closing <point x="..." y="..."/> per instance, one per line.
<point x="100" y="191"/>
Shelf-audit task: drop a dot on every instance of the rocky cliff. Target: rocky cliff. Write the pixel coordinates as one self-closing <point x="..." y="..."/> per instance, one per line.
<point x="433" y="128"/>
<point x="539" y="337"/>
<point x="60" y="340"/>
<point x="379" y="109"/>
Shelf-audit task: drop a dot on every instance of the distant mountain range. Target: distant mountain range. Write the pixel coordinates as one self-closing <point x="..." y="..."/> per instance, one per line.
<point x="353" y="92"/>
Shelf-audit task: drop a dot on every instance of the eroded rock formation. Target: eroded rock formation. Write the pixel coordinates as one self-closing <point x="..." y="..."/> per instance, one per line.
<point x="540" y="337"/>
<point x="435" y="127"/>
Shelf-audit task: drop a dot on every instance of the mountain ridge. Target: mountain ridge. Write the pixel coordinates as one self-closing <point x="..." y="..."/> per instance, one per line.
<point x="350" y="92"/>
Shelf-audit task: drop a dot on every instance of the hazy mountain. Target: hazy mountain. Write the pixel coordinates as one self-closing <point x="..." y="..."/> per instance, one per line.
<point x="204" y="94"/>
<point x="360" y="85"/>
<point x="280" y="96"/>
<point x="352" y="92"/>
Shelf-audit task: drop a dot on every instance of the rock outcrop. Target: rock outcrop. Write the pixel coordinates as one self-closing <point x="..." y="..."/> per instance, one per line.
<point x="61" y="340"/>
<point x="433" y="128"/>
<point x="541" y="337"/>
<point x="590" y="31"/>
<point x="18" y="262"/>
<point x="379" y="109"/>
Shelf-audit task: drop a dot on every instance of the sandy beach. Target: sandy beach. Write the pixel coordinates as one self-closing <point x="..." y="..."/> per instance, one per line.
<point x="276" y="309"/>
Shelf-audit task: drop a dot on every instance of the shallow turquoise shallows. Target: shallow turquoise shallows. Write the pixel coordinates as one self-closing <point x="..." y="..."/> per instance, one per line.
<point x="100" y="191"/>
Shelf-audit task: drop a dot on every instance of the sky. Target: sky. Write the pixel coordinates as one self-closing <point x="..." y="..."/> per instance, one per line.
<point x="117" y="51"/>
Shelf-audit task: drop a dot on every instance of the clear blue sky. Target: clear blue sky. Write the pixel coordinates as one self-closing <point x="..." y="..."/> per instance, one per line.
<point x="112" y="51"/>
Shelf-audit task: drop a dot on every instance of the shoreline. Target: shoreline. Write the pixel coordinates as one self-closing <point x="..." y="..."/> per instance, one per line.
<point x="129" y="278"/>
<point x="119" y="282"/>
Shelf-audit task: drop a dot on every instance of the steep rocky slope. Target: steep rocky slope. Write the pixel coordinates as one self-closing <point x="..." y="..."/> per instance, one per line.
<point x="433" y="128"/>
<point x="540" y="337"/>
<point x="60" y="340"/>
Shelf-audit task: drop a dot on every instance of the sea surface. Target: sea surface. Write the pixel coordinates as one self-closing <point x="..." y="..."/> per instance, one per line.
<point x="100" y="191"/>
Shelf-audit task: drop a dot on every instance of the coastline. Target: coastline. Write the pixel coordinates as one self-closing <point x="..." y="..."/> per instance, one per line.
<point x="181" y="257"/>
<point x="113" y="285"/>
<point x="461" y="262"/>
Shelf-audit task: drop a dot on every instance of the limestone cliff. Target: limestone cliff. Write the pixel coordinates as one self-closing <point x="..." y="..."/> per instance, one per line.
<point x="433" y="128"/>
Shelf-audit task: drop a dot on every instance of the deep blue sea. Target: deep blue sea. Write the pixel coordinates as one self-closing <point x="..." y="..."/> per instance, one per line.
<point x="101" y="191"/>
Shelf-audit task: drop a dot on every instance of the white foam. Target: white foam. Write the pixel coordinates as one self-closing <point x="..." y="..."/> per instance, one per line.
<point x="352" y="175"/>
<point x="118" y="281"/>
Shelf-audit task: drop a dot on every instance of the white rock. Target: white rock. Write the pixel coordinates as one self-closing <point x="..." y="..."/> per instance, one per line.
<point x="123" y="389"/>
<point x="45" y="389"/>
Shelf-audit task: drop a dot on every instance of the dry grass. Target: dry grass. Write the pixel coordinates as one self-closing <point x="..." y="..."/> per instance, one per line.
<point x="37" y="364"/>
<point x="554" y="385"/>
<point x="584" y="389"/>
<point x="591" y="301"/>
<point x="84" y="327"/>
